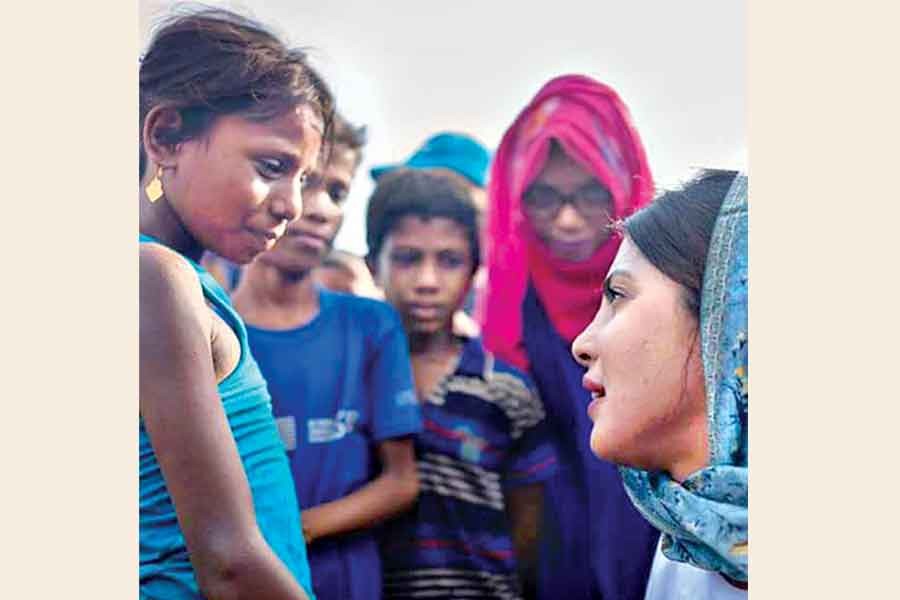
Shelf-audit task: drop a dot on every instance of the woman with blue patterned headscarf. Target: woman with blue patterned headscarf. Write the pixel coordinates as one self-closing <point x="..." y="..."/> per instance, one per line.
<point x="667" y="369"/>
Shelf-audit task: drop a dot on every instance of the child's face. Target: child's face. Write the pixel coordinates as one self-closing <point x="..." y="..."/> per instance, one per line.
<point x="424" y="268"/>
<point x="309" y="238"/>
<point x="236" y="189"/>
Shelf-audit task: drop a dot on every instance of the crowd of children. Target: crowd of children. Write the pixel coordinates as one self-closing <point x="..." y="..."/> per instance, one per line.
<point x="415" y="423"/>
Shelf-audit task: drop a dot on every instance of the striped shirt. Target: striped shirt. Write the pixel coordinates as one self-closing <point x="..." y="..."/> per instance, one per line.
<point x="483" y="432"/>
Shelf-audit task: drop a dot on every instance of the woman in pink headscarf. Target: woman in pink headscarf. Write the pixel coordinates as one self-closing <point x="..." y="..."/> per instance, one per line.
<point x="569" y="166"/>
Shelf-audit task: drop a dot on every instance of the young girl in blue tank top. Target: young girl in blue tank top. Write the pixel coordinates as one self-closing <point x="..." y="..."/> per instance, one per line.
<point x="231" y="121"/>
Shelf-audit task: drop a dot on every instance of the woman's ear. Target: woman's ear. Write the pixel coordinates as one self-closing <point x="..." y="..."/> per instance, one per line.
<point x="159" y="134"/>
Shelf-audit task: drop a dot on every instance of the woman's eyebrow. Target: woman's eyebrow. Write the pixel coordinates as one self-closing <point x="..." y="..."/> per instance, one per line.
<point x="618" y="274"/>
<point x="623" y="273"/>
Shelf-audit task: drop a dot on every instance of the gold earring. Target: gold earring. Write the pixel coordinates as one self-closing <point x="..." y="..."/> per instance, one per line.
<point x="154" y="189"/>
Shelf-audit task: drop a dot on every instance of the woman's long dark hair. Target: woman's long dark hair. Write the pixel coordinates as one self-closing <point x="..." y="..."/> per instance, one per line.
<point x="673" y="232"/>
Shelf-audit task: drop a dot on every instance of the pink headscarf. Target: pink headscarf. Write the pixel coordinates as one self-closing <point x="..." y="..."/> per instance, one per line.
<point x="594" y="128"/>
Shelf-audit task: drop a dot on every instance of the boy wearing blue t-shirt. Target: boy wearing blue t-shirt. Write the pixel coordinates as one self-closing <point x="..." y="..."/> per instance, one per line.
<point x="484" y="451"/>
<point x="337" y="367"/>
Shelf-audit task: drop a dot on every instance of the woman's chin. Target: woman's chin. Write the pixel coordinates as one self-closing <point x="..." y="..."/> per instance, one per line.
<point x="605" y="446"/>
<point x="599" y="444"/>
<point x="572" y="251"/>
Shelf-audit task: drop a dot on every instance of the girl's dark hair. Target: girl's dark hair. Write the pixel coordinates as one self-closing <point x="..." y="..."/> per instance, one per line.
<point x="420" y="193"/>
<point x="673" y="232"/>
<point x="208" y="62"/>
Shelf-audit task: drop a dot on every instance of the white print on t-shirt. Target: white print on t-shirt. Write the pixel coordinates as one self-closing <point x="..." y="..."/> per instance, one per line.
<point x="406" y="398"/>
<point x="328" y="430"/>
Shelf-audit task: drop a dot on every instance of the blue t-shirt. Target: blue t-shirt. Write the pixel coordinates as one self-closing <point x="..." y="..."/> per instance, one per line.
<point x="339" y="384"/>
<point x="484" y="431"/>
<point x="165" y="568"/>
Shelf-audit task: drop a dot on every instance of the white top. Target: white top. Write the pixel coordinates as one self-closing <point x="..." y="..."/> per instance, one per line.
<point x="671" y="580"/>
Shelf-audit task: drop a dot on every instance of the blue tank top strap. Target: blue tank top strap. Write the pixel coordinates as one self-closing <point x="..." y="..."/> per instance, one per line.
<point x="165" y="569"/>
<point x="220" y="302"/>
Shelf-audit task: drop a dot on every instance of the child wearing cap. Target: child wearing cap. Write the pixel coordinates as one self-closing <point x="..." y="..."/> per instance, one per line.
<point x="451" y="152"/>
<point x="462" y="157"/>
<point x="484" y="450"/>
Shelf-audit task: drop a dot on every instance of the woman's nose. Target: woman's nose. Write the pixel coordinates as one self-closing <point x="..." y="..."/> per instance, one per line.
<point x="568" y="217"/>
<point x="582" y="349"/>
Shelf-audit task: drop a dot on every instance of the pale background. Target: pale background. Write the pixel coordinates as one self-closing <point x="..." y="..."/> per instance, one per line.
<point x="410" y="68"/>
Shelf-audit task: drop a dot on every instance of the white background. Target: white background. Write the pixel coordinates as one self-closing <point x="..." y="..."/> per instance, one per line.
<point x="410" y="68"/>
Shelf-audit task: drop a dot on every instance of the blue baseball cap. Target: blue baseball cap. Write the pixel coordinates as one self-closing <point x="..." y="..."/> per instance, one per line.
<point x="454" y="151"/>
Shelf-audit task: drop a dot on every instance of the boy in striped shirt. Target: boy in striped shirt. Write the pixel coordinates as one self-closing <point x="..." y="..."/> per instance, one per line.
<point x="484" y="451"/>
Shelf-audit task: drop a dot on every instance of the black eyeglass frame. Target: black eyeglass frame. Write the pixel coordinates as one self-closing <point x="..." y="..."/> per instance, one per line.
<point x="587" y="208"/>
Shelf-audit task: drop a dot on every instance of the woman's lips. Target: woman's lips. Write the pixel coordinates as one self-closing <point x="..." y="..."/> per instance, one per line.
<point x="594" y="406"/>
<point x="574" y="250"/>
<point x="571" y="244"/>
<point x="598" y="393"/>
<point x="591" y="385"/>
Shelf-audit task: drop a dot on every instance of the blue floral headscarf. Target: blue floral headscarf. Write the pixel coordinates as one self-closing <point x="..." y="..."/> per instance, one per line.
<point x="704" y="519"/>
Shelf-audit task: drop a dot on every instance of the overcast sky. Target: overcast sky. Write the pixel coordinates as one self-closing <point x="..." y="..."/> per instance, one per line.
<point x="410" y="68"/>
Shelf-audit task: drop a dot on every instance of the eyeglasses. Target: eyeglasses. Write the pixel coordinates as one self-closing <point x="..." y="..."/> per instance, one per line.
<point x="544" y="202"/>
